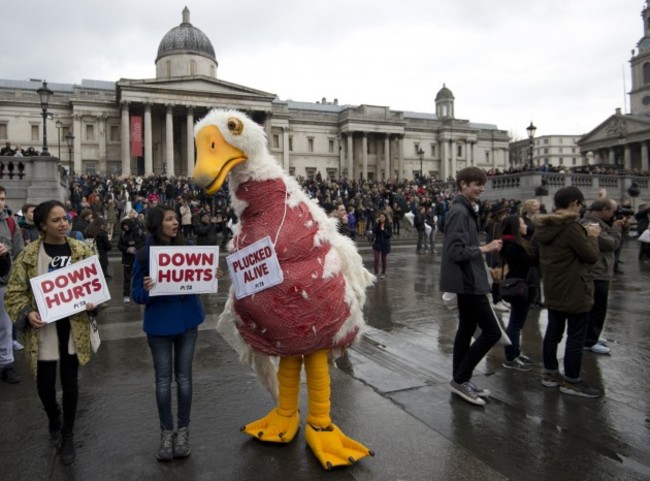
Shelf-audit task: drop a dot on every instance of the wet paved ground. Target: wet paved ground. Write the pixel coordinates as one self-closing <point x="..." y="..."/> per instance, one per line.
<point x="390" y="392"/>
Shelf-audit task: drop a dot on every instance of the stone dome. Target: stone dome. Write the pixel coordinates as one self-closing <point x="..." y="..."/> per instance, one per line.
<point x="444" y="94"/>
<point x="186" y="39"/>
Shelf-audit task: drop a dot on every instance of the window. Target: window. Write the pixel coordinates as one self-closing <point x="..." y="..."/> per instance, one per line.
<point x="3" y="131"/>
<point x="574" y="161"/>
<point x="560" y="139"/>
<point x="276" y="141"/>
<point x="487" y="156"/>
<point x="433" y="150"/>
<point x="561" y="161"/>
<point x="291" y="144"/>
<point x="417" y="148"/>
<point x="35" y="136"/>
<point x="459" y="150"/>
<point x="90" y="132"/>
<point x="114" y="133"/>
<point x="546" y="141"/>
<point x="311" y="172"/>
<point x="546" y="151"/>
<point x="646" y="73"/>
<point x="310" y="144"/>
<point x="331" y="146"/>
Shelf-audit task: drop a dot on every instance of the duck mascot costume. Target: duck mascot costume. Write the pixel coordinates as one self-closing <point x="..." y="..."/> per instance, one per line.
<point x="317" y="305"/>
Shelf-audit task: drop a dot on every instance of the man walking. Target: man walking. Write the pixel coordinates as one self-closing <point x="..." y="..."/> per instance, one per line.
<point x="11" y="236"/>
<point x="601" y="212"/>
<point x="462" y="272"/>
<point x="566" y="252"/>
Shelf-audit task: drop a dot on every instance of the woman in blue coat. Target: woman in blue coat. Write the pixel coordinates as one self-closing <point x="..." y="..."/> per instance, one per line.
<point x="170" y="322"/>
<point x="382" y="231"/>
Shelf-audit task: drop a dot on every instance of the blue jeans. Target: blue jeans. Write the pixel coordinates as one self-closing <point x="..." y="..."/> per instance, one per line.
<point x="518" y="315"/>
<point x="179" y="350"/>
<point x="575" y="341"/>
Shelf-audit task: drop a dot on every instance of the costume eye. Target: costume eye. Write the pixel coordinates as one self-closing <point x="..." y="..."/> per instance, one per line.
<point x="235" y="126"/>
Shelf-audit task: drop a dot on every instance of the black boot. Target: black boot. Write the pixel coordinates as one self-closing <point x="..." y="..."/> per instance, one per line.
<point x="68" y="453"/>
<point x="55" y="428"/>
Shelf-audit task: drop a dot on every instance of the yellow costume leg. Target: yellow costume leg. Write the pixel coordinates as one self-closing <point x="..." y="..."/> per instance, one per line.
<point x="282" y="423"/>
<point x="326" y="440"/>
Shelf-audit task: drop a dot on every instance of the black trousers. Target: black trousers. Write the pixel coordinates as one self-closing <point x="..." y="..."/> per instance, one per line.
<point x="473" y="310"/>
<point x="597" y="313"/>
<point x="46" y="382"/>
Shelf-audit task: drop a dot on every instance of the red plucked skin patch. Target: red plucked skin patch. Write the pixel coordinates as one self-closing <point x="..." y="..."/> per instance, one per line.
<point x="281" y="321"/>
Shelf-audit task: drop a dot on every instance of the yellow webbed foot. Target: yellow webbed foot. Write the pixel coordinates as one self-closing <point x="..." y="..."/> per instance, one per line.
<point x="333" y="448"/>
<point x="274" y="427"/>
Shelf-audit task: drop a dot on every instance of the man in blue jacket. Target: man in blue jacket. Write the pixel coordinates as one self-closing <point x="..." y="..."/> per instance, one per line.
<point x="463" y="272"/>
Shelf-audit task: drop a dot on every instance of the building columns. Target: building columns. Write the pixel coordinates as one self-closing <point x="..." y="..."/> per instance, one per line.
<point x="453" y="157"/>
<point x="627" y="157"/>
<point x="400" y="153"/>
<point x="190" y="141"/>
<point x="76" y="131"/>
<point x="148" y="141"/>
<point x="285" y="148"/>
<point x="364" y="154"/>
<point x="350" y="156"/>
<point x="645" y="157"/>
<point x="126" y="140"/>
<point x="387" y="173"/>
<point x="169" y="141"/>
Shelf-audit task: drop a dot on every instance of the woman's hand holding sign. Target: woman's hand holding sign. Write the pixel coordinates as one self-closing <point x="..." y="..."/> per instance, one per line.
<point x="148" y="283"/>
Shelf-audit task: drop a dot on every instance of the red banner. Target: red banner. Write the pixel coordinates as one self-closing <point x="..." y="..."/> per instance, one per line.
<point x="136" y="136"/>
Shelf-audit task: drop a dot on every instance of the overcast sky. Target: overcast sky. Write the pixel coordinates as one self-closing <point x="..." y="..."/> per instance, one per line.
<point x="564" y="64"/>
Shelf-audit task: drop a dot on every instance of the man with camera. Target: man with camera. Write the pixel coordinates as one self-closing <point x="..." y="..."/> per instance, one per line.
<point x="602" y="212"/>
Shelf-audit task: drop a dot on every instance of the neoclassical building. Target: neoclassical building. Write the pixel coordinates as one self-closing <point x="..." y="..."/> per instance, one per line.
<point x="144" y="126"/>
<point x="623" y="140"/>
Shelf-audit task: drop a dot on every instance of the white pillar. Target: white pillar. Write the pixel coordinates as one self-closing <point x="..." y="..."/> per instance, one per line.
<point x="612" y="156"/>
<point x="285" y="148"/>
<point x="388" y="174"/>
<point x="101" y="142"/>
<point x="627" y="157"/>
<point x="400" y="161"/>
<point x="190" y="141"/>
<point x="76" y="131"/>
<point x="148" y="141"/>
<point x="452" y="147"/>
<point x="350" y="156"/>
<point x="645" y="157"/>
<point x="169" y="141"/>
<point x="126" y="140"/>
<point x="364" y="154"/>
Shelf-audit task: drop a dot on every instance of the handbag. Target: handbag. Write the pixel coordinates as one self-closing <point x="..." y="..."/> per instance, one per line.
<point x="513" y="289"/>
<point x="95" y="341"/>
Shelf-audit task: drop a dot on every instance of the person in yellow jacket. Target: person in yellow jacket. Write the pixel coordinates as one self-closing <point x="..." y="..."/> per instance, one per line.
<point x="65" y="342"/>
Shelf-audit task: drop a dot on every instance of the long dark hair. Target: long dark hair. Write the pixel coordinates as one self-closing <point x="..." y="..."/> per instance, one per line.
<point x="155" y="217"/>
<point x="42" y="210"/>
<point x="511" y="227"/>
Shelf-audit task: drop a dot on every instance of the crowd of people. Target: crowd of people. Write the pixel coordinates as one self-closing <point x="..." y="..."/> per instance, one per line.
<point x="570" y="254"/>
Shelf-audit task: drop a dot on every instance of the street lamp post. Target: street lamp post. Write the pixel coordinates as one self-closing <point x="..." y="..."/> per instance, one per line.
<point x="420" y="153"/>
<point x="59" y="125"/>
<point x="44" y="95"/>
<point x="70" y="140"/>
<point x="531" y="129"/>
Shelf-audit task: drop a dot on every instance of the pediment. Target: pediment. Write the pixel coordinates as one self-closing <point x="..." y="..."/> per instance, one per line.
<point x="617" y="126"/>
<point x="189" y="85"/>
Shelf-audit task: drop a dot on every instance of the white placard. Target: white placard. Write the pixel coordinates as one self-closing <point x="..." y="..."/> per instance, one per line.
<point x="181" y="270"/>
<point x="66" y="291"/>
<point x="254" y="268"/>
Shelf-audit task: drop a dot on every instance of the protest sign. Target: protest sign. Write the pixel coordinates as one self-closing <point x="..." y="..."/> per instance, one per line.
<point x="67" y="291"/>
<point x="183" y="270"/>
<point x="254" y="268"/>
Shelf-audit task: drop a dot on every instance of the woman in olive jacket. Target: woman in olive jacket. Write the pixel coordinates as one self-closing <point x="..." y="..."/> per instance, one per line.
<point x="65" y="342"/>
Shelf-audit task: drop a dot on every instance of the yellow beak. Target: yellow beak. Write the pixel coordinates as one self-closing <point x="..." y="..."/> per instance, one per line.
<point x="214" y="159"/>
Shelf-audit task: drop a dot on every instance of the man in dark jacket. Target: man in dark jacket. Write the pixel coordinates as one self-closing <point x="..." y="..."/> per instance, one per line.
<point x="566" y="252"/>
<point x="601" y="212"/>
<point x="131" y="239"/>
<point x="462" y="271"/>
<point x="419" y="224"/>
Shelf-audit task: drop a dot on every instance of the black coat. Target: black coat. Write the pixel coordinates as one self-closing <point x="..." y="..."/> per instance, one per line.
<point x="382" y="237"/>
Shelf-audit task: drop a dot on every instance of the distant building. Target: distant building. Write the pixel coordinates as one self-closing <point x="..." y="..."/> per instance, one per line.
<point x="145" y="126"/>
<point x="555" y="150"/>
<point x="623" y="140"/>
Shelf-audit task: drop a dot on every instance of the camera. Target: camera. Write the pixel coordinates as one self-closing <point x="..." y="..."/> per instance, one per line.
<point x="622" y="213"/>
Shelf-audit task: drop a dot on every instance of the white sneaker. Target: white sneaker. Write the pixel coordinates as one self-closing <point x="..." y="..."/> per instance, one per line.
<point x="18" y="346"/>
<point x="598" y="349"/>
<point x="127" y="299"/>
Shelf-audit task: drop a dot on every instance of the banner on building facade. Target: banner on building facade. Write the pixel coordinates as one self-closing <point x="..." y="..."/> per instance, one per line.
<point x="136" y="136"/>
